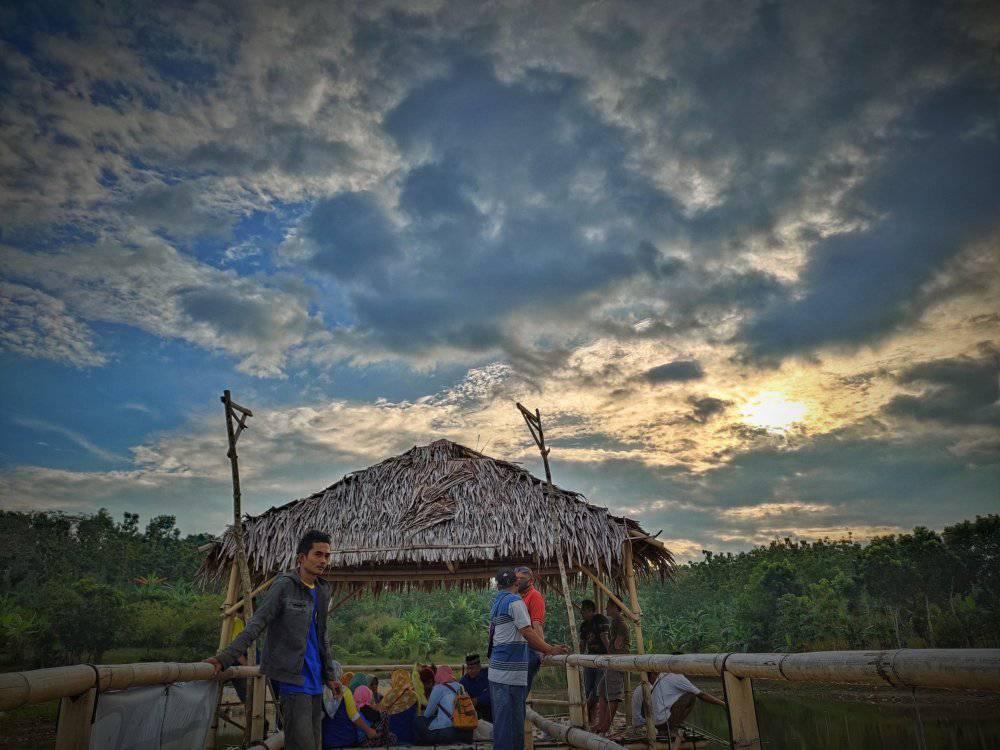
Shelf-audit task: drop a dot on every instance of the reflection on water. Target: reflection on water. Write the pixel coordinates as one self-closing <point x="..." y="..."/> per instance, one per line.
<point x="810" y="721"/>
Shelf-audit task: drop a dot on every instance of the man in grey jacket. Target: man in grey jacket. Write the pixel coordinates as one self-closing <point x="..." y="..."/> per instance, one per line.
<point x="295" y="655"/>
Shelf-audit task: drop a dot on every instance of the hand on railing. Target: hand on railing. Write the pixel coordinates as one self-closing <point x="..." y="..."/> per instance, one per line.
<point x="216" y="664"/>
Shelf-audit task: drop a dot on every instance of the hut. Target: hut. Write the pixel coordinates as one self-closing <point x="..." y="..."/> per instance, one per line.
<point x="445" y="515"/>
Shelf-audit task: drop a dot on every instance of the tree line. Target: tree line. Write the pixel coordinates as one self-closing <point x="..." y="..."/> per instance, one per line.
<point x="75" y="587"/>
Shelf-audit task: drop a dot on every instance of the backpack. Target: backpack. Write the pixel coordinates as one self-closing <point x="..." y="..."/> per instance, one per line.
<point x="463" y="715"/>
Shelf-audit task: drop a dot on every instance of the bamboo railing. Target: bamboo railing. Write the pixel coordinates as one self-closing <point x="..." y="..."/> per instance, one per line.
<point x="973" y="669"/>
<point x="963" y="668"/>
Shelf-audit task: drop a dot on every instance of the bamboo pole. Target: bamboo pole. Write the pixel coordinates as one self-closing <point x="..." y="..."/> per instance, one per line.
<point x="40" y="685"/>
<point x="633" y="593"/>
<point x="74" y="725"/>
<point x="611" y="595"/>
<point x="570" y="735"/>
<point x="741" y="712"/>
<point x="578" y="710"/>
<point x="236" y="606"/>
<point x="255" y="688"/>
<point x="225" y="636"/>
<point x="958" y="668"/>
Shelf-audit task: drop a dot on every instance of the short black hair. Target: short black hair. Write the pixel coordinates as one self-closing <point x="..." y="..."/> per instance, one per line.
<point x="310" y="538"/>
<point x="472" y="659"/>
<point x="588" y="604"/>
<point x="613" y="603"/>
<point x="506" y="578"/>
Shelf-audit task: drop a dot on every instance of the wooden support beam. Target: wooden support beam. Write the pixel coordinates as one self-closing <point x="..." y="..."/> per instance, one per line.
<point x="570" y="735"/>
<point x="225" y="636"/>
<point x="611" y="595"/>
<point x="633" y="593"/>
<point x="74" y="724"/>
<point x="334" y="606"/>
<point x="577" y="709"/>
<point x="742" y="712"/>
<point x="235" y="607"/>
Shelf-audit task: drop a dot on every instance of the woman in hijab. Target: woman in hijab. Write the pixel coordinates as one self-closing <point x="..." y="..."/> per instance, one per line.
<point x="399" y="706"/>
<point x="358" y="679"/>
<point x="435" y="726"/>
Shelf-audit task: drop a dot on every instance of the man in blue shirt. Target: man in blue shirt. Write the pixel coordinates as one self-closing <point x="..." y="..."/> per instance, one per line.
<point x="476" y="682"/>
<point x="295" y="655"/>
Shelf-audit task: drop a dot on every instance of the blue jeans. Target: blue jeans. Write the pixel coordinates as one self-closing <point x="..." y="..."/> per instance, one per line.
<point x="508" y="715"/>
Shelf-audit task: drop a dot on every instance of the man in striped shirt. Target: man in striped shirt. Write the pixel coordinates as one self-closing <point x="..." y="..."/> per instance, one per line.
<point x="511" y="635"/>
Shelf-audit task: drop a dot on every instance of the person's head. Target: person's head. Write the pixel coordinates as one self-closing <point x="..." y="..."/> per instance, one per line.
<point x="443" y="675"/>
<point x="506" y="579"/>
<point x="524" y="578"/>
<point x="363" y="696"/>
<point x="338" y="671"/>
<point x="313" y="552"/>
<point x="613" y="609"/>
<point x="473" y="666"/>
<point x="427" y="678"/>
<point x="588" y="609"/>
<point x="374" y="685"/>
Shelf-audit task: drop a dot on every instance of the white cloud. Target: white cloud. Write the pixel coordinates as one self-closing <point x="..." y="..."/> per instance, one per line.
<point x="36" y="324"/>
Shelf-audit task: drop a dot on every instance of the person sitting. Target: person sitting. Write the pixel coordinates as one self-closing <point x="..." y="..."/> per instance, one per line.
<point x="363" y="697"/>
<point x="399" y="707"/>
<point x="673" y="698"/>
<point x="343" y="723"/>
<point x="423" y="682"/>
<point x="476" y="682"/>
<point x="435" y="726"/>
<point x="374" y="688"/>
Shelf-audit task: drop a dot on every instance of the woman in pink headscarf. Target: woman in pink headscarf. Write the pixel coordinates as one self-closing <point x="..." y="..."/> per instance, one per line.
<point x="435" y="727"/>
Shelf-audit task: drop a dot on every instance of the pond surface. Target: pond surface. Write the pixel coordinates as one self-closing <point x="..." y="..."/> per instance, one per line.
<point x="823" y="722"/>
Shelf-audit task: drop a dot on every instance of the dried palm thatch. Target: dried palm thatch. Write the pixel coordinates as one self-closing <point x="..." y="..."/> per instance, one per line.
<point x="442" y="514"/>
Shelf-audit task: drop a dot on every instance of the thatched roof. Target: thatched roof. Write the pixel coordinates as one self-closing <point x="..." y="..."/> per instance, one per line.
<point x="443" y="513"/>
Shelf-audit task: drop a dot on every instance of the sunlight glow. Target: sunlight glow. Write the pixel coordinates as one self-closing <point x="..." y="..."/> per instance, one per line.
<point x="773" y="411"/>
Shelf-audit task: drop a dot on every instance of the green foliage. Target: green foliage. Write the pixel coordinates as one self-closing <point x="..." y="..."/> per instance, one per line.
<point x="73" y="586"/>
<point x="907" y="590"/>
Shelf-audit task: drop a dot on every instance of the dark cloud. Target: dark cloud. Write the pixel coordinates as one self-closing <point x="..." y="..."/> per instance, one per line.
<point x="936" y="191"/>
<point x="677" y="371"/>
<point x="497" y="215"/>
<point x="179" y="209"/>
<point x="352" y="238"/>
<point x="959" y="391"/>
<point x="703" y="409"/>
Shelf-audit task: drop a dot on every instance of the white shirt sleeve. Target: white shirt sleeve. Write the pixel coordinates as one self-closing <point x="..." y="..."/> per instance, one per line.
<point x="683" y="683"/>
<point x="519" y="612"/>
<point x="637" y="716"/>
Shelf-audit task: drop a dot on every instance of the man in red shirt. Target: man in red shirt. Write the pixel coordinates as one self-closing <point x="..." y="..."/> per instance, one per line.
<point x="535" y="603"/>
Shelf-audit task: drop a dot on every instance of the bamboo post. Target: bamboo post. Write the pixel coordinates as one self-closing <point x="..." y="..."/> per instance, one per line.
<point x="633" y="593"/>
<point x="225" y="636"/>
<point x="577" y="709"/>
<point x="573" y="690"/>
<point x="74" y="725"/>
<point x="255" y="723"/>
<point x="742" y="712"/>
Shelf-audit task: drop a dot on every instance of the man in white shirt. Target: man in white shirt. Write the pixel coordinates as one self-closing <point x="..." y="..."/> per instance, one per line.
<point x="673" y="698"/>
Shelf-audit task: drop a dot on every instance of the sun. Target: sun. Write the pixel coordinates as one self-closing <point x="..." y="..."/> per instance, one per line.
<point x="773" y="411"/>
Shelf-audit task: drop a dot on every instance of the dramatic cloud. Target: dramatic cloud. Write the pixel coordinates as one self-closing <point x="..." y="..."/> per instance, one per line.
<point x="681" y="370"/>
<point x="744" y="259"/>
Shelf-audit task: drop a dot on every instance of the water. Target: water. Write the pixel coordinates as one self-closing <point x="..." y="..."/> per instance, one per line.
<point x="813" y="721"/>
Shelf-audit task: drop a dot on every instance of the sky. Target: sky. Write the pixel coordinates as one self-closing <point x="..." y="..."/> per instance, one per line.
<point x="745" y="258"/>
